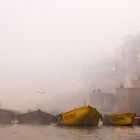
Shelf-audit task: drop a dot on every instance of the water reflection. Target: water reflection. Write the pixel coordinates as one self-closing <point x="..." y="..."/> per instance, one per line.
<point x="28" y="132"/>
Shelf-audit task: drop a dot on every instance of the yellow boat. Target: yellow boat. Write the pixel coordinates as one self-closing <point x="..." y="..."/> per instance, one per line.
<point x="122" y="119"/>
<point x="82" y="116"/>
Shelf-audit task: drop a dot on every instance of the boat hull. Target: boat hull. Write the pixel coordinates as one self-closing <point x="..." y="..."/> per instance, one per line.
<point x="122" y="119"/>
<point x="83" y="116"/>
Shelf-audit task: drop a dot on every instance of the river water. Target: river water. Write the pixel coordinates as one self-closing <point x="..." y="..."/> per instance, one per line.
<point x="52" y="132"/>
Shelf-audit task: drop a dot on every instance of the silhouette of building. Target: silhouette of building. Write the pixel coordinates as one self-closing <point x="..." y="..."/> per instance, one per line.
<point x="104" y="102"/>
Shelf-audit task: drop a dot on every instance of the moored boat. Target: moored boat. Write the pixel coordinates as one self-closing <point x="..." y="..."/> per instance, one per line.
<point x="122" y="119"/>
<point x="82" y="116"/>
<point x="137" y="120"/>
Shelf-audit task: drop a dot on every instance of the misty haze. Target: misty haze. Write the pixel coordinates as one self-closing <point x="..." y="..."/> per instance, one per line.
<point x="63" y="56"/>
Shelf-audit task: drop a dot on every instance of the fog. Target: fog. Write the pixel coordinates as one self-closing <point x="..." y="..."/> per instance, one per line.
<point x="46" y="48"/>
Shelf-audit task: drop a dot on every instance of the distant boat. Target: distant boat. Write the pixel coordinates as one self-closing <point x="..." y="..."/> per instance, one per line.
<point x="122" y="119"/>
<point x="82" y="116"/>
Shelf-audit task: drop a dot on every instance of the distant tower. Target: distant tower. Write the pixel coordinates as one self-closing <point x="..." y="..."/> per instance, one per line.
<point x="130" y="55"/>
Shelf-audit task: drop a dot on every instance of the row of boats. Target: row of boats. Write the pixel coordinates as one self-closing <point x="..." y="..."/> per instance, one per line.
<point x="89" y="116"/>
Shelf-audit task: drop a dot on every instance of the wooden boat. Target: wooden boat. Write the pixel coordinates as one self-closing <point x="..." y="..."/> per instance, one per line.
<point x="119" y="119"/>
<point x="82" y="116"/>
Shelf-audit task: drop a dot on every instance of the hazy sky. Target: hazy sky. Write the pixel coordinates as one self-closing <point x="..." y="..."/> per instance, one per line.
<point x="44" y="45"/>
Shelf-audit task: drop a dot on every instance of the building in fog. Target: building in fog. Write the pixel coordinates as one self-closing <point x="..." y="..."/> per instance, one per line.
<point x="127" y="98"/>
<point x="130" y="59"/>
<point x="104" y="102"/>
<point x="106" y="75"/>
<point x="122" y="73"/>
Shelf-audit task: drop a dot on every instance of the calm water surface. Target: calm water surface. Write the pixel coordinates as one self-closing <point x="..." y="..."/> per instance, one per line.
<point x="27" y="132"/>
